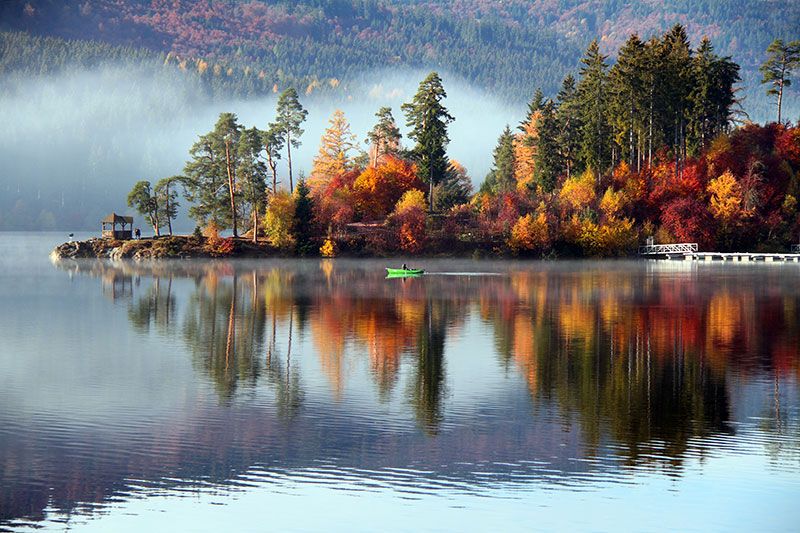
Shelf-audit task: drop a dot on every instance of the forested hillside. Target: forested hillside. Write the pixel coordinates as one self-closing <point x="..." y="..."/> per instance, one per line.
<point x="508" y="47"/>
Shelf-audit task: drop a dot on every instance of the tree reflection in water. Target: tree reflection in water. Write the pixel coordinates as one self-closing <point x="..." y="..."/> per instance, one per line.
<point x="633" y="357"/>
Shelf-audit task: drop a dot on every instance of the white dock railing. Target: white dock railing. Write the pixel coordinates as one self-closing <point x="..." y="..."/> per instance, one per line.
<point x="666" y="249"/>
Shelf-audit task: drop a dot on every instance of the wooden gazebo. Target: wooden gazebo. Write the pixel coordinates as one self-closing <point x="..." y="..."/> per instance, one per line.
<point x="110" y="224"/>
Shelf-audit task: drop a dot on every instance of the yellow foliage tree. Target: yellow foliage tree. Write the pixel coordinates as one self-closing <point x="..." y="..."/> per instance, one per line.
<point x="726" y="197"/>
<point x="333" y="158"/>
<point x="530" y="232"/>
<point x="612" y="203"/>
<point x="278" y="220"/>
<point x="525" y="151"/>
<point x="412" y="198"/>
<point x="328" y="248"/>
<point x="578" y="191"/>
<point x="614" y="237"/>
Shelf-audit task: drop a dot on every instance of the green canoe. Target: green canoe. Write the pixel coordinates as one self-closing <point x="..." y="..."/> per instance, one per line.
<point x="401" y="272"/>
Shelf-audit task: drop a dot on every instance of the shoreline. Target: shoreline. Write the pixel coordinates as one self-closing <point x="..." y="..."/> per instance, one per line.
<point x="193" y="247"/>
<point x="176" y="247"/>
<point x="166" y="247"/>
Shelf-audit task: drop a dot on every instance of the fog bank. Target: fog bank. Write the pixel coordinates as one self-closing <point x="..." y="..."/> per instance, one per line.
<point x="72" y="145"/>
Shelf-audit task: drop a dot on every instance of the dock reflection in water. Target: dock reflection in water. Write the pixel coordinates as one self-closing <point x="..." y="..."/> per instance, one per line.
<point x="565" y="377"/>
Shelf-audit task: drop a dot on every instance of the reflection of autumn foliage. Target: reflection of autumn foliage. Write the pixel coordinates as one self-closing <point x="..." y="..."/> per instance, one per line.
<point x="633" y="355"/>
<point x="636" y="354"/>
<point x="642" y="357"/>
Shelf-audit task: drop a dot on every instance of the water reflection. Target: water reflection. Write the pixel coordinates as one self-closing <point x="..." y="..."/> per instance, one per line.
<point x="619" y="365"/>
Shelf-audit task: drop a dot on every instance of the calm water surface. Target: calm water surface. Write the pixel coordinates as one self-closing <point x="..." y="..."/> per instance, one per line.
<point x="278" y="395"/>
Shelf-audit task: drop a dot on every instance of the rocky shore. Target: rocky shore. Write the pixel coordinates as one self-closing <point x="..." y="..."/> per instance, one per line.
<point x="173" y="247"/>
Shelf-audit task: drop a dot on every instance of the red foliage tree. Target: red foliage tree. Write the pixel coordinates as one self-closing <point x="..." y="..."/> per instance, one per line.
<point x="688" y="220"/>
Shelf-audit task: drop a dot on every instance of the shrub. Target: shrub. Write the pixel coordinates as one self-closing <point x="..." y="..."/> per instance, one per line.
<point x="328" y="248"/>
<point x="531" y="232"/>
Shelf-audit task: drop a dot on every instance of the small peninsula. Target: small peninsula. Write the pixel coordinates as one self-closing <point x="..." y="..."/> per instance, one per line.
<point x="167" y="247"/>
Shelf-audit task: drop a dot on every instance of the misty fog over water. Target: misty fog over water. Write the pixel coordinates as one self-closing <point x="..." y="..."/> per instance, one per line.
<point x="72" y="145"/>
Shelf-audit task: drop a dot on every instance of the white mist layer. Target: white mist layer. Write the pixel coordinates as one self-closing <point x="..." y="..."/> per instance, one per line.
<point x="87" y="137"/>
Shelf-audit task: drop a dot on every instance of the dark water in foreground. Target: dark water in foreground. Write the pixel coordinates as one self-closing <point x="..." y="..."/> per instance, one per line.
<point x="279" y="395"/>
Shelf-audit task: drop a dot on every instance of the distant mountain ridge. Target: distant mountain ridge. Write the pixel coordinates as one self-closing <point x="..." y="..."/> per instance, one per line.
<point x="508" y="47"/>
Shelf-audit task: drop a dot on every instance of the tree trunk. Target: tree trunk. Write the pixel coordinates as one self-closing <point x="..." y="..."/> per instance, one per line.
<point x="273" y="166"/>
<point x="255" y="224"/>
<point x="169" y="217"/>
<point x="289" y="157"/>
<point x="630" y="141"/>
<point x="154" y="220"/>
<point x="780" y="99"/>
<point x="650" y="133"/>
<point x="231" y="185"/>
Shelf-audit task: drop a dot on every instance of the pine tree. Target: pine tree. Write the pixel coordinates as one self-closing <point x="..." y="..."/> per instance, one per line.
<point x="145" y="202"/>
<point x="289" y="116"/>
<point x="333" y="158"/>
<point x="384" y="137"/>
<point x="782" y="59"/>
<point x="302" y="226"/>
<point x="454" y="190"/>
<point x="428" y="119"/>
<point x="678" y="84"/>
<point x="627" y="99"/>
<point x="569" y="126"/>
<point x="549" y="164"/>
<point x="205" y="183"/>
<point x="712" y="97"/>
<point x="501" y="176"/>
<point x="211" y="174"/>
<point x="592" y="101"/>
<point x="252" y="173"/>
<point x="167" y="199"/>
<point x="536" y="104"/>
<point x="654" y="90"/>
<point x="273" y="144"/>
<point x="227" y="131"/>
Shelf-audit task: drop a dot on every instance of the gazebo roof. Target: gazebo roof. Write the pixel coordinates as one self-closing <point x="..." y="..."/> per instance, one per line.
<point x="114" y="218"/>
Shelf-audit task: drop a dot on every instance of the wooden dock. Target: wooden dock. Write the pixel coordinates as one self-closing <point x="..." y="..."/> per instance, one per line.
<point x="689" y="252"/>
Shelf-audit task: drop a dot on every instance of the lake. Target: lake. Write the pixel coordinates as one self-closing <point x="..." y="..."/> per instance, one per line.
<point x="318" y="395"/>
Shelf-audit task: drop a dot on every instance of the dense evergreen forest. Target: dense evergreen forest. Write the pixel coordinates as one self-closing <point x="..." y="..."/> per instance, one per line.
<point x="645" y="148"/>
<point x="507" y="47"/>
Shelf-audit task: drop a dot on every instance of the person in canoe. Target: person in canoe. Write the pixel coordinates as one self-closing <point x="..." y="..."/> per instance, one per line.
<point x="404" y="267"/>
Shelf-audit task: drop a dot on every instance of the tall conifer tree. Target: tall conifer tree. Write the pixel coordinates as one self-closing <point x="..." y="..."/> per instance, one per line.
<point x="593" y="99"/>
<point x="428" y="119"/>
<point x="290" y="116"/>
<point x="781" y="61"/>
